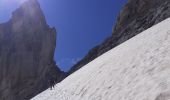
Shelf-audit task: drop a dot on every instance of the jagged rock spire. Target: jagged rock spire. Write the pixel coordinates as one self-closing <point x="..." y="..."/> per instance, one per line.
<point x="27" y="46"/>
<point x="29" y="13"/>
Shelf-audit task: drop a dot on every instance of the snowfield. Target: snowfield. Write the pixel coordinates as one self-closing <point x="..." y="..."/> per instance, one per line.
<point x="138" y="69"/>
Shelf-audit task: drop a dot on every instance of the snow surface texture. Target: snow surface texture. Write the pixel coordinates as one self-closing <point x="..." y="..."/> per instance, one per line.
<point x="138" y="69"/>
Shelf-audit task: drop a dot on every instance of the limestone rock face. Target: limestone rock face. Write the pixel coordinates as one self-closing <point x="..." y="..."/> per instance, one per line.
<point x="27" y="47"/>
<point x="135" y="17"/>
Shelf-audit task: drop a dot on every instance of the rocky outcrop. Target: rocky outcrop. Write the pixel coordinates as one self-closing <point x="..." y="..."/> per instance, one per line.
<point x="27" y="47"/>
<point x="136" y="16"/>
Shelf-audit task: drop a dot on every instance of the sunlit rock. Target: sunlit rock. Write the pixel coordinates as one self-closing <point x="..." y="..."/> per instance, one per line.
<point x="27" y="47"/>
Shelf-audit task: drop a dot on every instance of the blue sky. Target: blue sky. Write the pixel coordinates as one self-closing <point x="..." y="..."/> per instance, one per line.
<point x="81" y="24"/>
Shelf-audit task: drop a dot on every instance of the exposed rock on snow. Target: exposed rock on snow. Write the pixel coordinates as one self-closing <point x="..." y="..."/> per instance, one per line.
<point x="138" y="69"/>
<point x="27" y="47"/>
<point x="135" y="17"/>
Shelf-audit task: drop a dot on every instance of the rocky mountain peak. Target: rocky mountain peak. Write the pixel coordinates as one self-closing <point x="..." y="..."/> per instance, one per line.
<point x="29" y="14"/>
<point x="27" y="46"/>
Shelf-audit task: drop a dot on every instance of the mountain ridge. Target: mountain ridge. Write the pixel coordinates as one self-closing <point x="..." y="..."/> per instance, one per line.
<point x="135" y="17"/>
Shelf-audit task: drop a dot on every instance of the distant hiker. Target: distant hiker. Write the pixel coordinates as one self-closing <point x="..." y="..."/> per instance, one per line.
<point x="52" y="84"/>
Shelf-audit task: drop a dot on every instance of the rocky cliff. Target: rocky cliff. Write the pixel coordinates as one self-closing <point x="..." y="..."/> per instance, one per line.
<point x="135" y="17"/>
<point x="27" y="47"/>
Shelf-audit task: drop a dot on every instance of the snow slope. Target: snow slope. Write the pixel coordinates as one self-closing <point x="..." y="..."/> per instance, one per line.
<point x="138" y="69"/>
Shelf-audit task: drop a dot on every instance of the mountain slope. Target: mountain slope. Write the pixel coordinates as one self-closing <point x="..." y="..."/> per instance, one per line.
<point x="27" y="47"/>
<point x="138" y="69"/>
<point x="135" y="17"/>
